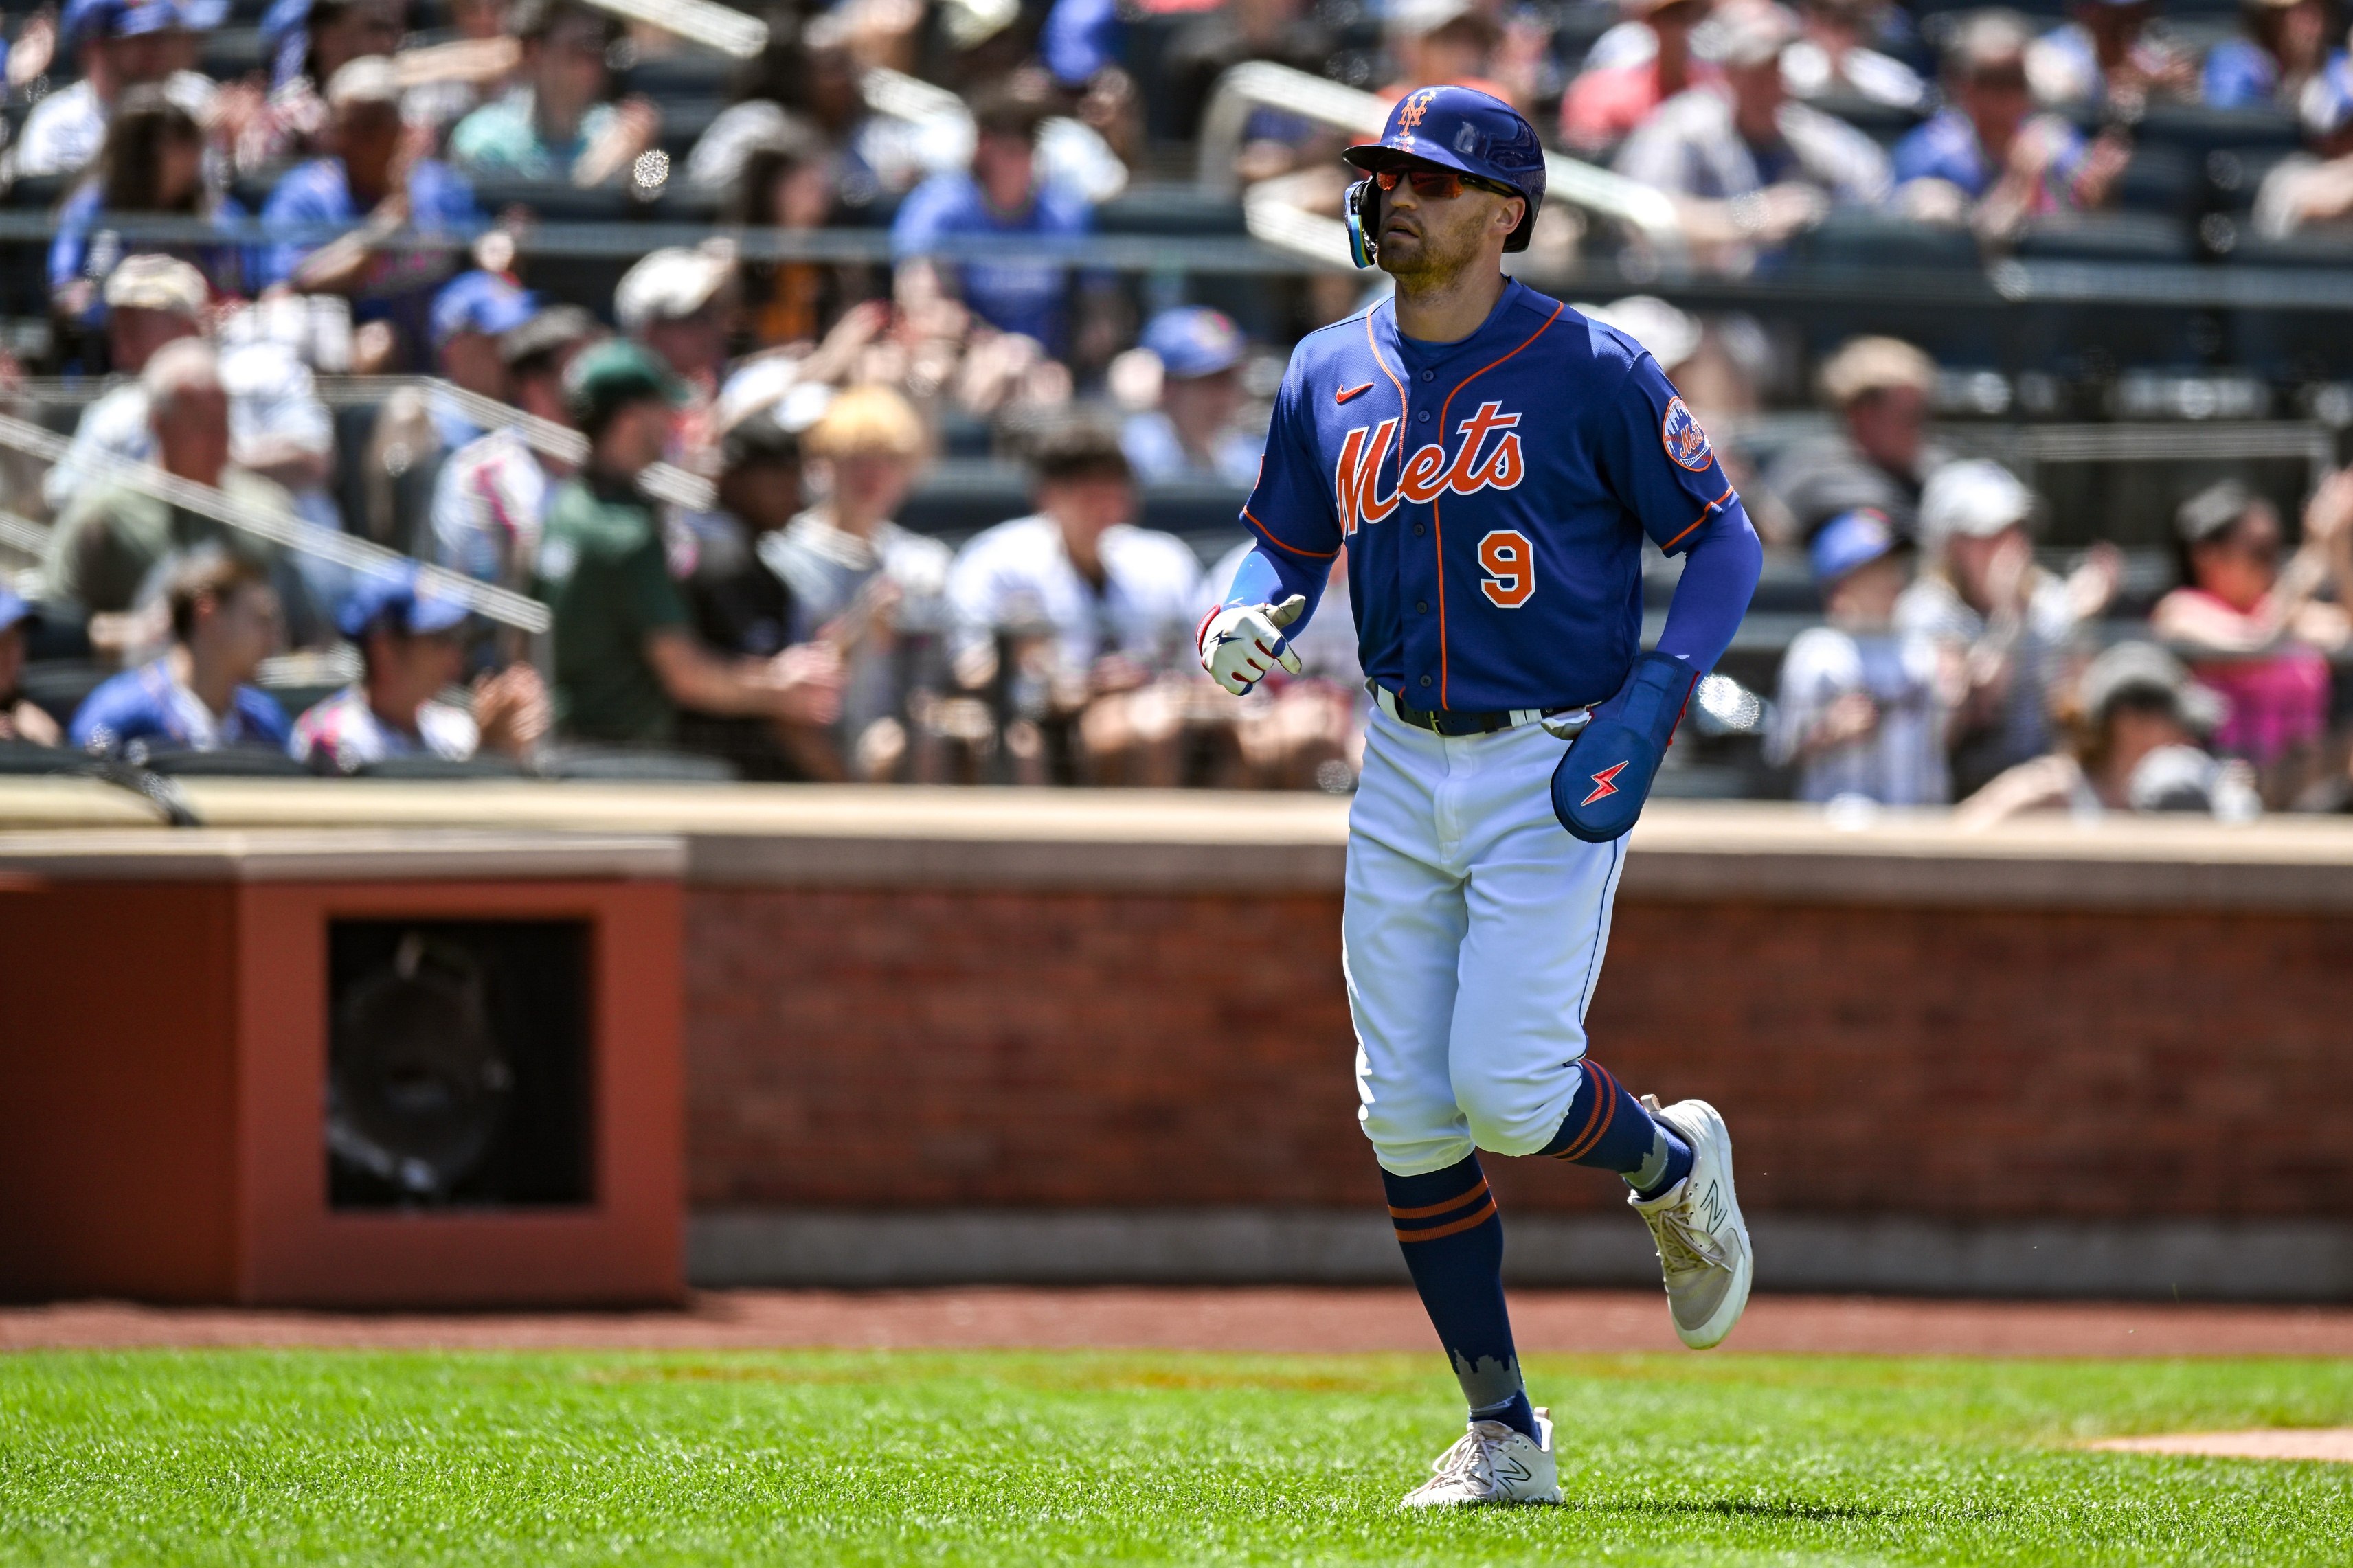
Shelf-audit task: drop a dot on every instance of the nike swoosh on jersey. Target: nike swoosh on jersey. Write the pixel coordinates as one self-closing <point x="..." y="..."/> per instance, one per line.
<point x="1347" y="393"/>
<point x="1602" y="787"/>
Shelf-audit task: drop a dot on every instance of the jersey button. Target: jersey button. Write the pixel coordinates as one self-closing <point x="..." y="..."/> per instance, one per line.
<point x="1424" y="680"/>
<point x="1423" y="417"/>
<point x="1419" y="529"/>
<point x="1429" y="375"/>
<point x="1421" y="607"/>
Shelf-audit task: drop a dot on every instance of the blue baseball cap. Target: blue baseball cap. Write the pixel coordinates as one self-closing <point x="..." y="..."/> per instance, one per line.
<point x="1194" y="341"/>
<point x="396" y="595"/>
<point x="13" y="611"/>
<point x="480" y="302"/>
<point x="1470" y="131"/>
<point x="1850" y="540"/>
<point x="86" y="20"/>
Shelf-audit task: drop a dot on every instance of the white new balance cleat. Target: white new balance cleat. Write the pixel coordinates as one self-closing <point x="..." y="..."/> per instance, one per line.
<point x="1491" y="1463"/>
<point x="1702" y="1241"/>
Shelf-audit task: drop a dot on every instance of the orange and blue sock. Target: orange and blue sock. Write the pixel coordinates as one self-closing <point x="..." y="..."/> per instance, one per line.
<point x="1607" y="1127"/>
<point x="1454" y="1243"/>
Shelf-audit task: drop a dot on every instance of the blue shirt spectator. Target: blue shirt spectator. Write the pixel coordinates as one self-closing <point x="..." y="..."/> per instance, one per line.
<point x="1001" y="196"/>
<point x="385" y="281"/>
<point x="1947" y="147"/>
<point x="1079" y="38"/>
<point x="225" y="622"/>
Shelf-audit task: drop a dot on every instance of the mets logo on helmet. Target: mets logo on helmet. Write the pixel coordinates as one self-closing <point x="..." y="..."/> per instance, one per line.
<point x="1415" y="108"/>
<point x="1685" y="442"/>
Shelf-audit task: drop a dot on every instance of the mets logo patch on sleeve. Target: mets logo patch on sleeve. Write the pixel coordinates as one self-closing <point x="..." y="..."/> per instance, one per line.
<point x="1685" y="442"/>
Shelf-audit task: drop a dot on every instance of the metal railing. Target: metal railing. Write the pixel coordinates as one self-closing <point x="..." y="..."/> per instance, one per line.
<point x="280" y="528"/>
<point x="1259" y="84"/>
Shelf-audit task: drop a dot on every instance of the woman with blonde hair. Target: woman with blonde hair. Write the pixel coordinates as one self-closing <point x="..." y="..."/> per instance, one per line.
<point x="858" y="579"/>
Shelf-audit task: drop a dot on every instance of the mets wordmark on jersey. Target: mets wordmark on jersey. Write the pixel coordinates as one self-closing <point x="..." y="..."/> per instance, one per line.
<point x="1492" y="494"/>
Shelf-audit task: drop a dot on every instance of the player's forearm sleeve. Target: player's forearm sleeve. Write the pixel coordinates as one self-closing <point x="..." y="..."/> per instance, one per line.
<point x="1720" y="573"/>
<point x="1265" y="578"/>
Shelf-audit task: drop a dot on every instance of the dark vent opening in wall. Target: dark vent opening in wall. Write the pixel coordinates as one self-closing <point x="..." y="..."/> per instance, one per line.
<point x="457" y="1064"/>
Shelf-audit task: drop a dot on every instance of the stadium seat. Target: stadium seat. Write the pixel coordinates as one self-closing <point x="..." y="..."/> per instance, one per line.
<point x="1179" y="210"/>
<point x="18" y="758"/>
<point x="574" y="761"/>
<point x="1885" y="123"/>
<point x="227" y="762"/>
<point x="2106" y="237"/>
<point x="2162" y="179"/>
<point x="492" y="765"/>
<point x="687" y="73"/>
<point x="2197" y="131"/>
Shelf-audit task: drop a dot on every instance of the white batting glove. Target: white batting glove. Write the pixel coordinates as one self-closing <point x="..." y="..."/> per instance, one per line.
<point x="1240" y="644"/>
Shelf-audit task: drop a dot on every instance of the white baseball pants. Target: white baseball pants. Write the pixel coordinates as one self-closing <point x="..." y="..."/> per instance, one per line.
<point x="1472" y="936"/>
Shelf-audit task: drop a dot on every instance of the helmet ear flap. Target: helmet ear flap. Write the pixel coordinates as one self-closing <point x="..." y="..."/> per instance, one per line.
<point x="1362" y="208"/>
<point x="1526" y="230"/>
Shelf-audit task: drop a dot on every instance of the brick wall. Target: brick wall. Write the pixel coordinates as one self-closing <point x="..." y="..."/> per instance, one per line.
<point x="898" y="1048"/>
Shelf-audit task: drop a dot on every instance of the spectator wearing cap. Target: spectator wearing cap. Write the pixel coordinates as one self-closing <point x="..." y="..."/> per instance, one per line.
<point x="1748" y="165"/>
<point x="307" y="43"/>
<point x="1002" y="195"/>
<point x="1192" y="434"/>
<point x="491" y="497"/>
<point x="412" y="648"/>
<point x="2285" y="44"/>
<point x="1861" y="714"/>
<point x="374" y="186"/>
<point x="278" y="428"/>
<point x="2105" y="53"/>
<point x="22" y="720"/>
<point x="1834" y="60"/>
<point x="1448" y="42"/>
<point x="1987" y="157"/>
<point x="2135" y="727"/>
<point x="113" y="537"/>
<point x="860" y="581"/>
<point x="2313" y="187"/>
<point x="2256" y="634"/>
<point x="2001" y="619"/>
<point x="152" y="167"/>
<point x="1095" y="610"/>
<point x="559" y="124"/>
<point x="679" y="304"/>
<point x="1881" y="456"/>
<point x="225" y="621"/>
<point x="1633" y="69"/>
<point x="627" y="659"/>
<point x="118" y="45"/>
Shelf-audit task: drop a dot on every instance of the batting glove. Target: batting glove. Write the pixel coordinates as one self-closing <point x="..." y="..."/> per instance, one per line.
<point x="1599" y="786"/>
<point x="1240" y="642"/>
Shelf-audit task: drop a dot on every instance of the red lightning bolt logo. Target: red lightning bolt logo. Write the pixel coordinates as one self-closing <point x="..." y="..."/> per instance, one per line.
<point x="1601" y="784"/>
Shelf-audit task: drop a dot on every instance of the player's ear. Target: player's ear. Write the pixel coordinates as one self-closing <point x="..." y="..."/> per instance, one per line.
<point x="1513" y="210"/>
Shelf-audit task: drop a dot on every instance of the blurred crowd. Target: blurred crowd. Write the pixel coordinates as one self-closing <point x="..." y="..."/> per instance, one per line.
<point x="701" y="466"/>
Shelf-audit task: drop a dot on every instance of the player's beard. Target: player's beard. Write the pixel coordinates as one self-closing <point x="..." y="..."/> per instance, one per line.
<point x="1437" y="257"/>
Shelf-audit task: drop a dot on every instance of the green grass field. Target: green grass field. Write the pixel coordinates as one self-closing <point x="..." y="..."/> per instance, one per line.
<point x="249" y="1456"/>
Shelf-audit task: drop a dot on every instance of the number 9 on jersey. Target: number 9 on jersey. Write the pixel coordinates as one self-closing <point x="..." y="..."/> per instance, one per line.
<point x="1510" y="566"/>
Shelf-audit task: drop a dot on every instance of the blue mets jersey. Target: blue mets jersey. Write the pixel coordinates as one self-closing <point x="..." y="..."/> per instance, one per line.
<point x="1494" y="495"/>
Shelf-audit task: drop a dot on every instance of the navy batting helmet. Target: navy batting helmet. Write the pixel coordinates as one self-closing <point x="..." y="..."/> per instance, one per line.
<point x="1467" y="130"/>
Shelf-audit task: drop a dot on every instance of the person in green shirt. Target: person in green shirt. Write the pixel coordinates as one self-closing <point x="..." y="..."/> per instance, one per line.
<point x="557" y="125"/>
<point x="627" y="657"/>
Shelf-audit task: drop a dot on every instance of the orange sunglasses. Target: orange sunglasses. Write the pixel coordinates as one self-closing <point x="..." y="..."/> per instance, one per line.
<point x="1437" y="184"/>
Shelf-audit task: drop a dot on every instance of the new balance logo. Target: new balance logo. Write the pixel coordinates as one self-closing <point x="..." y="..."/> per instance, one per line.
<point x="1711" y="1206"/>
<point x="1425" y="475"/>
<point x="1602" y="786"/>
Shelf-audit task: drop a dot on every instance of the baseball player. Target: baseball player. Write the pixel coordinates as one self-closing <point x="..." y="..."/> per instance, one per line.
<point x="1492" y="462"/>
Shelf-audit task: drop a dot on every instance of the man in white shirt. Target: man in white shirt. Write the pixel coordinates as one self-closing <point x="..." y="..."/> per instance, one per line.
<point x="118" y="44"/>
<point x="1862" y="712"/>
<point x="1095" y="613"/>
<point x="278" y="426"/>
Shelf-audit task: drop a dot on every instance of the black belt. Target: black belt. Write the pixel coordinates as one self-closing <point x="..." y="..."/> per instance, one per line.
<point x="1458" y="721"/>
